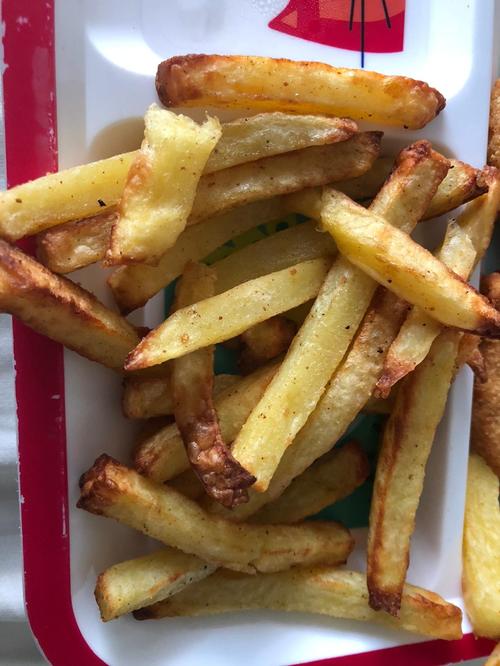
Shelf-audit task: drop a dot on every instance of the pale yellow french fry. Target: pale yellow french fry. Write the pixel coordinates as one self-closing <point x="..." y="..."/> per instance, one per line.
<point x="392" y="258"/>
<point x="481" y="548"/>
<point x="161" y="455"/>
<point x="325" y="335"/>
<point x="226" y="315"/>
<point x="406" y="445"/>
<point x="62" y="310"/>
<point x="112" y="490"/>
<point x="272" y="84"/>
<point x="325" y="591"/>
<point x="133" y="286"/>
<point x="331" y="478"/>
<point x="161" y="186"/>
<point x="345" y="396"/>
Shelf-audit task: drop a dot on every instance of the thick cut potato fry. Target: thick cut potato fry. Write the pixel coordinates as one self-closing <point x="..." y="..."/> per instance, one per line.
<point x="494" y="658"/>
<point x="161" y="186"/>
<point x="345" y="396"/>
<point x="419" y="330"/>
<point x="192" y="386"/>
<point x="112" y="490"/>
<point x="392" y="258"/>
<point x="494" y="133"/>
<point x="70" y="246"/>
<point x="331" y="478"/>
<point x="305" y="87"/>
<point x="133" y="286"/>
<point x="406" y="445"/>
<point x="265" y="341"/>
<point x="62" y="310"/>
<point x="462" y="184"/>
<point x="301" y="242"/>
<point x="485" y="430"/>
<point x="130" y="585"/>
<point x="226" y="315"/>
<point x="481" y="548"/>
<point x="325" y="335"/>
<point x="148" y="397"/>
<point x="161" y="455"/>
<point x="250" y="139"/>
<point x="333" y="592"/>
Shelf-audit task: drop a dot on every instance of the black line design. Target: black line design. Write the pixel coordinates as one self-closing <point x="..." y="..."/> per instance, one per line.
<point x="351" y="15"/>
<point x="386" y="12"/>
<point x="362" y="34"/>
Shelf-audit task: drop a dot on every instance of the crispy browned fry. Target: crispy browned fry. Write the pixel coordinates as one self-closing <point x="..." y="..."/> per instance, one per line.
<point x="148" y="397"/>
<point x="494" y="133"/>
<point x="70" y="246"/>
<point x="111" y="489"/>
<point x="406" y="445"/>
<point x="481" y="548"/>
<point x="305" y="87"/>
<point x="331" y="478"/>
<point x="192" y="379"/>
<point x="62" y="310"/>
<point x="333" y="592"/>
<point x="265" y="341"/>
<point x="161" y="455"/>
<point x="462" y="184"/>
<point x="485" y="430"/>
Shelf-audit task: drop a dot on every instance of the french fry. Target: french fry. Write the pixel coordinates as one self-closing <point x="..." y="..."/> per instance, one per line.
<point x="266" y="134"/>
<point x="265" y="341"/>
<point x="460" y="254"/>
<point x="494" y="658"/>
<point x="113" y="490"/>
<point x="462" y="184"/>
<point x="392" y="258"/>
<point x="345" y="396"/>
<point x="335" y="316"/>
<point x="133" y="286"/>
<point x="368" y="184"/>
<point x="188" y="484"/>
<point x="127" y="586"/>
<point x="192" y="386"/>
<point x="406" y="444"/>
<point x="485" y="428"/>
<point x="148" y="397"/>
<point x="325" y="591"/>
<point x="331" y="478"/>
<point x="62" y="310"/>
<point x="303" y="87"/>
<point x="419" y="330"/>
<point x="72" y="245"/>
<point x="161" y="186"/>
<point x="494" y="133"/>
<point x="161" y="455"/>
<point x="481" y="545"/>
<point x="226" y="315"/>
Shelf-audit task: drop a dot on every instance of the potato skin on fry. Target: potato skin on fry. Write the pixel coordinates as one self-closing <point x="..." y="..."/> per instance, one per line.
<point x="304" y="87"/>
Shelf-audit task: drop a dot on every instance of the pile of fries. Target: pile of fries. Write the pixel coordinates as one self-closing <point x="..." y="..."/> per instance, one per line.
<point x="337" y="314"/>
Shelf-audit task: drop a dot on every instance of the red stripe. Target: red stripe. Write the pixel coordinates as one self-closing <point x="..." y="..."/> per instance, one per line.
<point x="31" y="151"/>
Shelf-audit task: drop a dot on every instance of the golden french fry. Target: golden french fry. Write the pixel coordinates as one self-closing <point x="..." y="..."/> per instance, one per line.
<point x="265" y="341"/>
<point x="481" y="546"/>
<point x="494" y="134"/>
<point x="161" y="455"/>
<point x="226" y="315"/>
<point x="161" y="186"/>
<point x="485" y="427"/>
<point x="266" y="134"/>
<point x="392" y="258"/>
<point x="129" y="585"/>
<point x="62" y="310"/>
<point x="133" y="286"/>
<point x="192" y="387"/>
<point x="333" y="592"/>
<point x="113" y="490"/>
<point x="345" y="396"/>
<point x="406" y="445"/>
<point x="305" y="87"/>
<point x="462" y="184"/>
<point x="147" y="397"/>
<point x="335" y="316"/>
<point x="368" y="184"/>
<point x="331" y="478"/>
<point x="494" y="658"/>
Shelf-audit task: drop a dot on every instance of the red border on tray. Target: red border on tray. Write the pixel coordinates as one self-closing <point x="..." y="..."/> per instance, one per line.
<point x="31" y="150"/>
